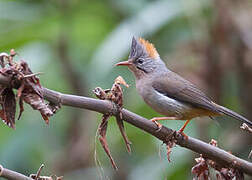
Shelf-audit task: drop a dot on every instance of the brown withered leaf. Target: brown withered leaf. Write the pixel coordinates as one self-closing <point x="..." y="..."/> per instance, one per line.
<point x="8" y="107"/>
<point x="32" y="81"/>
<point x="2" y="88"/>
<point x="123" y="133"/>
<point x="201" y="169"/>
<point x="169" y="146"/>
<point x="103" y="140"/>
<point x="2" y="56"/>
<point x="54" y="107"/>
<point x="29" y="90"/>
<point x="238" y="174"/>
<point x="21" y="107"/>
<point x="37" y="103"/>
<point x="2" y="115"/>
<point x="115" y="94"/>
<point x="100" y="93"/>
<point x="46" y="118"/>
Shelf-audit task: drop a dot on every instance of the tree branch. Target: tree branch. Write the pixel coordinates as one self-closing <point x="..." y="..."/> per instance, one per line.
<point x="12" y="175"/>
<point x="214" y="153"/>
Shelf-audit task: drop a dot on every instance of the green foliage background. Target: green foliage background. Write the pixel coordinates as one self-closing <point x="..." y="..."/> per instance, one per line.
<point x="89" y="37"/>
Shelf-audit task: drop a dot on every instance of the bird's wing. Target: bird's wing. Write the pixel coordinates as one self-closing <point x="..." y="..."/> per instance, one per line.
<point x="174" y="86"/>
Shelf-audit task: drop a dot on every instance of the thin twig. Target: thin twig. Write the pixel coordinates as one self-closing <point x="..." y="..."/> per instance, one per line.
<point x="214" y="153"/>
<point x="39" y="171"/>
<point x="33" y="74"/>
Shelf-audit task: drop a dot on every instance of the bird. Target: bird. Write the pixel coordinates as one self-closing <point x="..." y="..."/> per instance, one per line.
<point x="167" y="92"/>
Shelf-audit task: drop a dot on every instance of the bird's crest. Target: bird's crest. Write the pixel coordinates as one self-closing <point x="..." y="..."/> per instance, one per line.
<point x="150" y="48"/>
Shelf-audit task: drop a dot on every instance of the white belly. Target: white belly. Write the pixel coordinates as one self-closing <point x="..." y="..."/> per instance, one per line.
<point x="163" y="104"/>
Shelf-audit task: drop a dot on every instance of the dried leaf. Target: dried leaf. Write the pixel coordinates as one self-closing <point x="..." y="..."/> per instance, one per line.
<point x="2" y="56"/>
<point x="103" y="140"/>
<point x="238" y="174"/>
<point x="32" y="81"/>
<point x="119" y="80"/>
<point x="54" y="107"/>
<point x="123" y="133"/>
<point x="2" y="88"/>
<point x="21" y="107"/>
<point x="20" y="90"/>
<point x="8" y="107"/>
<point x="2" y="115"/>
<point x="100" y="93"/>
<point x="29" y="90"/>
<point x="226" y="174"/>
<point x="115" y="94"/>
<point x="169" y="145"/>
<point x="37" y="103"/>
<point x="201" y="169"/>
<point x="46" y="118"/>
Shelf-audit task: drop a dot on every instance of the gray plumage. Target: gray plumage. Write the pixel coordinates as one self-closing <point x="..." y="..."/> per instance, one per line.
<point x="167" y="92"/>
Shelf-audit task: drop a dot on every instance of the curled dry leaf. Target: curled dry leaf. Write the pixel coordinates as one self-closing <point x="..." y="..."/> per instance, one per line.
<point x="170" y="143"/>
<point x="103" y="140"/>
<point x="38" y="103"/>
<point x="100" y="93"/>
<point x="54" y="107"/>
<point x="201" y="169"/>
<point x="29" y="90"/>
<point x="21" y="107"/>
<point x="119" y="80"/>
<point x="8" y="107"/>
<point x="115" y="95"/>
<point x="169" y="146"/>
<point x="123" y="133"/>
<point x="2" y="59"/>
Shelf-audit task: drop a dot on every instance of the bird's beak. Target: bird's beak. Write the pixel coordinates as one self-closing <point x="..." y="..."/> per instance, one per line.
<point x="125" y="63"/>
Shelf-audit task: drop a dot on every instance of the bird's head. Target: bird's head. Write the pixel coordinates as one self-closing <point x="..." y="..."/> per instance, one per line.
<point x="143" y="59"/>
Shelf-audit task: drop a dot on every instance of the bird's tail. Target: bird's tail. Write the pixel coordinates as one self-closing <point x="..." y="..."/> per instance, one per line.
<point x="233" y="114"/>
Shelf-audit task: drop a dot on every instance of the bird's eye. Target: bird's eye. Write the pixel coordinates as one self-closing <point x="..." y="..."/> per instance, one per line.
<point x="140" y="61"/>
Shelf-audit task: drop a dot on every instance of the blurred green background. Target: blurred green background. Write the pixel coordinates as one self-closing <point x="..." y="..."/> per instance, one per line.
<point x="76" y="44"/>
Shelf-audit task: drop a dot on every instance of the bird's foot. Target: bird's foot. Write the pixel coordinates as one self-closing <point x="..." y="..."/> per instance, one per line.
<point x="180" y="131"/>
<point x="159" y="126"/>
